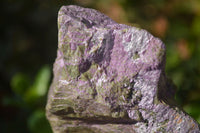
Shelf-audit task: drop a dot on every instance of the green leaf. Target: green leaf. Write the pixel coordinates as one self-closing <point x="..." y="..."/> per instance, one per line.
<point x="42" y="81"/>
<point x="172" y="59"/>
<point x="193" y="110"/>
<point x="198" y="119"/>
<point x="20" y="83"/>
<point x="37" y="122"/>
<point x="196" y="25"/>
<point x="40" y="86"/>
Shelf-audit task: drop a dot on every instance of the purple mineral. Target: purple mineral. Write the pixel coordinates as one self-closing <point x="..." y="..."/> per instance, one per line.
<point x="110" y="78"/>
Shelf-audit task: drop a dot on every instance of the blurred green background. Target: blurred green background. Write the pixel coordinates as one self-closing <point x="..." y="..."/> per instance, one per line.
<point x="28" y="44"/>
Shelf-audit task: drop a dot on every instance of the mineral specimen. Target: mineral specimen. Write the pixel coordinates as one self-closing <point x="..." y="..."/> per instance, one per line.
<point x="110" y="78"/>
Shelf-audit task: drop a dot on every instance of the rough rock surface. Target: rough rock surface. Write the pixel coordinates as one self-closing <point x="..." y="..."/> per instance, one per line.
<point x="110" y="78"/>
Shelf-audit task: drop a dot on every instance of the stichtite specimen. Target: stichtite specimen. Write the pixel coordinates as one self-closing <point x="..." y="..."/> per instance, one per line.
<point x="110" y="78"/>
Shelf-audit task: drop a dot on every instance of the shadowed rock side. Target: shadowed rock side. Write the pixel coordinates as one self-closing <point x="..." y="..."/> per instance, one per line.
<point x="110" y="78"/>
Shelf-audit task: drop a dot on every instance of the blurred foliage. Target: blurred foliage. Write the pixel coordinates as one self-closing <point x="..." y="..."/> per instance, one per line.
<point x="28" y="43"/>
<point x="29" y="98"/>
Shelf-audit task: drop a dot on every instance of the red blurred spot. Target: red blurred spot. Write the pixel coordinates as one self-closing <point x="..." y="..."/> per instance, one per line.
<point x="183" y="49"/>
<point x="160" y="26"/>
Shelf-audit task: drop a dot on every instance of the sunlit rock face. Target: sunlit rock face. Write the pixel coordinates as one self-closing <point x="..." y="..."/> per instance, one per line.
<point x="110" y="78"/>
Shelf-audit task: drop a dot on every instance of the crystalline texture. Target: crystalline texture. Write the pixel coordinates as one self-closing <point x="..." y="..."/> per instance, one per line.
<point x="110" y="77"/>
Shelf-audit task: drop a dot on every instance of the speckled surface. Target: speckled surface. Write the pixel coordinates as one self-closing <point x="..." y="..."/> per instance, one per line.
<point x="110" y="78"/>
